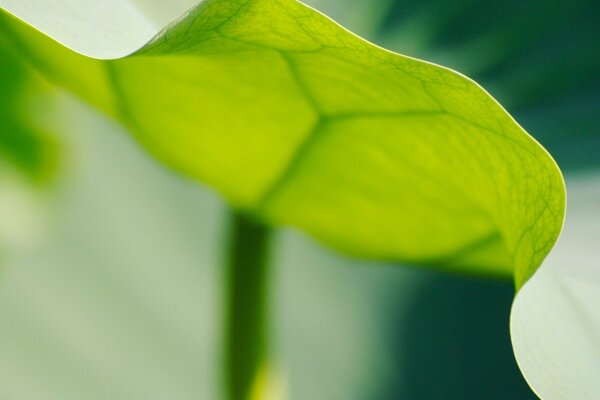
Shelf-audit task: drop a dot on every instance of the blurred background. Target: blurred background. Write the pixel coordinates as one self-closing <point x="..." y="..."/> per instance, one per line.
<point x="110" y="265"/>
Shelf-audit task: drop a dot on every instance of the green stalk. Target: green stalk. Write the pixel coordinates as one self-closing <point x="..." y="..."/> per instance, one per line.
<point x="246" y="293"/>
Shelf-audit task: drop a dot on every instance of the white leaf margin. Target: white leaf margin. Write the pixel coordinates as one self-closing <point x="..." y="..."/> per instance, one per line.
<point x="102" y="29"/>
<point x="555" y="317"/>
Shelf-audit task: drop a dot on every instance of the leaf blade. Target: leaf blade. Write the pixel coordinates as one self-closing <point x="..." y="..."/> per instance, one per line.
<point x="301" y="123"/>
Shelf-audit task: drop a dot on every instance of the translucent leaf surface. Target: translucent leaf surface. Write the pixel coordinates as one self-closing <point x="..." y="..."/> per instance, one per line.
<point x="301" y="123"/>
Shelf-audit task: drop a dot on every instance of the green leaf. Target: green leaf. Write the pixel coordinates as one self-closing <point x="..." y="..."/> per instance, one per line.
<point x="22" y="145"/>
<point x="27" y="157"/>
<point x="299" y="122"/>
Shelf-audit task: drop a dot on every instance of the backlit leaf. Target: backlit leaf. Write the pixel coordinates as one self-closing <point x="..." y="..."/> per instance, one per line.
<point x="299" y="122"/>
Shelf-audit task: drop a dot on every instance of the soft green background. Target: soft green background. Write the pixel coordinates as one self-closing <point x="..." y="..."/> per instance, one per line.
<point x="121" y="300"/>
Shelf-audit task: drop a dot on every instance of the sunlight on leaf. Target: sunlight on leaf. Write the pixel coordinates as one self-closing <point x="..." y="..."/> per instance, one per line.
<point x="302" y="123"/>
<point x="298" y="122"/>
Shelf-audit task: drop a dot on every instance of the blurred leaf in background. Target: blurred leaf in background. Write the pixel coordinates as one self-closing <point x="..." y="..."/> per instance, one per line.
<point x="22" y="143"/>
<point x="27" y="154"/>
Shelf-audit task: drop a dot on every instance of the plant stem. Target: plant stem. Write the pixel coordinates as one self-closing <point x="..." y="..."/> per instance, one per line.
<point x="246" y="320"/>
